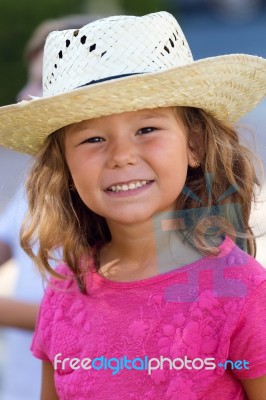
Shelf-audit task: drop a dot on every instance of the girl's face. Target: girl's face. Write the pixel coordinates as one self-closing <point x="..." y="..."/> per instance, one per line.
<point x="130" y="166"/>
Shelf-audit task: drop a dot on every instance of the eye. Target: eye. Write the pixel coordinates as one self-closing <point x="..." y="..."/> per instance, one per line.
<point x="95" y="139"/>
<point x="144" y="131"/>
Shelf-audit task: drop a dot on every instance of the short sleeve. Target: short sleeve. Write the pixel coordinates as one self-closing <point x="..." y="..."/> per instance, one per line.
<point x="40" y="346"/>
<point x="249" y="339"/>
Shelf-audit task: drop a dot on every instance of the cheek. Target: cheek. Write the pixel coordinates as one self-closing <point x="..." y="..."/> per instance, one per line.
<point x="173" y="156"/>
<point x="85" y="185"/>
<point x="86" y="179"/>
<point x="176" y="166"/>
<point x="79" y="166"/>
<point x="84" y="188"/>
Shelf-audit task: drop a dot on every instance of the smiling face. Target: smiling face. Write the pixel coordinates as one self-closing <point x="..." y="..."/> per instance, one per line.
<point x="130" y="166"/>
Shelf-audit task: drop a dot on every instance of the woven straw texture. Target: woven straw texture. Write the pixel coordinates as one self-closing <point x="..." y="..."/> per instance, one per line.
<point x="141" y="62"/>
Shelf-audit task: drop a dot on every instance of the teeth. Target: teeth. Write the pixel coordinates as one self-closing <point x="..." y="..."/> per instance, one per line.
<point x="130" y="186"/>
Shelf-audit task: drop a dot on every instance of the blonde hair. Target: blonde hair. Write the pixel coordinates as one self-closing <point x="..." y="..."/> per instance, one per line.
<point x="57" y="217"/>
<point x="223" y="187"/>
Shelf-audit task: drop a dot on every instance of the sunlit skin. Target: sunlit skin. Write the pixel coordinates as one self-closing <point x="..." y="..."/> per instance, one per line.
<point x="133" y="146"/>
<point x="142" y="145"/>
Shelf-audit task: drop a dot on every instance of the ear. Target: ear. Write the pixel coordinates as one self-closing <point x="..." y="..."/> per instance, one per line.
<point x="193" y="160"/>
<point x="195" y="149"/>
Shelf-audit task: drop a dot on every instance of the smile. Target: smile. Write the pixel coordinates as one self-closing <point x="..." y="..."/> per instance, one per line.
<point x="124" y="187"/>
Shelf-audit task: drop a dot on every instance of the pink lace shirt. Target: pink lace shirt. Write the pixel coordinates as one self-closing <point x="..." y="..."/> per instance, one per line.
<point x="166" y="337"/>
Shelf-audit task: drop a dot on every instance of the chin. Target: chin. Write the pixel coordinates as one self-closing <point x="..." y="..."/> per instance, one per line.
<point x="130" y="218"/>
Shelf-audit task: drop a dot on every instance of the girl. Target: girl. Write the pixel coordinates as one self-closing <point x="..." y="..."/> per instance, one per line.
<point x="140" y="179"/>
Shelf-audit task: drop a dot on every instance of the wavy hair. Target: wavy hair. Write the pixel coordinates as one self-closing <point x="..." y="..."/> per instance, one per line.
<point x="218" y="195"/>
<point x="58" y="219"/>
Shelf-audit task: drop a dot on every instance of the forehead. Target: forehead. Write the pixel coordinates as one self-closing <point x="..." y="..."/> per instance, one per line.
<point x="163" y="113"/>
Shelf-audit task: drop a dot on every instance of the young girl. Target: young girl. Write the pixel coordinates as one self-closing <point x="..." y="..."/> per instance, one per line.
<point x="139" y="178"/>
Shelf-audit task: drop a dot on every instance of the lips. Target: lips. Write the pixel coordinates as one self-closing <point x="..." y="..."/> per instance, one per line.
<point x="123" y="187"/>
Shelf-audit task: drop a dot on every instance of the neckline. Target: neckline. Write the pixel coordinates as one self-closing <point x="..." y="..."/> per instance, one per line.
<point x="225" y="247"/>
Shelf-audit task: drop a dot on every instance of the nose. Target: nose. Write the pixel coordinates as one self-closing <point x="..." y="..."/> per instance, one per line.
<point x="122" y="153"/>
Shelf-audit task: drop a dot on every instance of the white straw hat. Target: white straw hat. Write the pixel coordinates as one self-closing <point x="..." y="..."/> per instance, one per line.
<point x="127" y="63"/>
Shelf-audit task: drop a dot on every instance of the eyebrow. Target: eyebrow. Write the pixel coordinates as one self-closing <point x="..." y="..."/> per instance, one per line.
<point x="84" y="124"/>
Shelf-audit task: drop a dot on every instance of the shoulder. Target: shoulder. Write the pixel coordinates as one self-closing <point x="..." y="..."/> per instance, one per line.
<point x="59" y="295"/>
<point x="56" y="290"/>
<point x="62" y="284"/>
<point x="238" y="270"/>
<point x="239" y="283"/>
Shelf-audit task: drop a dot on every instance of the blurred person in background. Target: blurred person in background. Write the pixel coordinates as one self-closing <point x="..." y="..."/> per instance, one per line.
<point x="21" y="374"/>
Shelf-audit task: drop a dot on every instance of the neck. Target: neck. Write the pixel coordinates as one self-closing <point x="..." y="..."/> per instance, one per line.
<point x="131" y="252"/>
<point x="138" y="251"/>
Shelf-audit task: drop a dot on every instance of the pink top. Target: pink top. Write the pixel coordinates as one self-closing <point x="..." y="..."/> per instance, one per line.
<point x="189" y="321"/>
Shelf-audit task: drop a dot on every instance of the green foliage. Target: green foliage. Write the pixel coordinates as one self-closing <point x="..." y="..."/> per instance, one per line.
<point x="141" y="7"/>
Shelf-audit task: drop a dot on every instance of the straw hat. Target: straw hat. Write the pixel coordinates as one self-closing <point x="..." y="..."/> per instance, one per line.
<point x="127" y="63"/>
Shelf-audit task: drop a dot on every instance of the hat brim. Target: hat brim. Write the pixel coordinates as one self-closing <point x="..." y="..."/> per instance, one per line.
<point x="226" y="86"/>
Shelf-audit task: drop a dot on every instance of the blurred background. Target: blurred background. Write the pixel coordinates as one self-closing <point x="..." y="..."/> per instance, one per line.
<point x="212" y="27"/>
